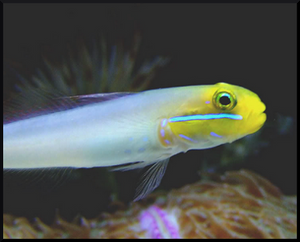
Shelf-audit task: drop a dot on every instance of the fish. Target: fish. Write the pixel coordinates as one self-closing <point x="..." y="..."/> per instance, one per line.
<point x="133" y="130"/>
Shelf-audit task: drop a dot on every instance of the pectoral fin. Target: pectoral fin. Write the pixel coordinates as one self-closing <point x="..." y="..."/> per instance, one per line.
<point x="151" y="179"/>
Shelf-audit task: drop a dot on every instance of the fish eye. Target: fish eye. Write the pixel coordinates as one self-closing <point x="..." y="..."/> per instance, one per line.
<point x="224" y="100"/>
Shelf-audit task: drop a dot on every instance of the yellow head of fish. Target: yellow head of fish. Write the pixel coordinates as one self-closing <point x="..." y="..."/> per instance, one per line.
<point x="217" y="114"/>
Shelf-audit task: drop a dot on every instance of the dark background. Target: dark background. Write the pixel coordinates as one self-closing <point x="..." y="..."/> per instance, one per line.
<point x="251" y="45"/>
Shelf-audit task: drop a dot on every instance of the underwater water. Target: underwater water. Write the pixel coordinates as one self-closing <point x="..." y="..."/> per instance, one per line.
<point x="206" y="44"/>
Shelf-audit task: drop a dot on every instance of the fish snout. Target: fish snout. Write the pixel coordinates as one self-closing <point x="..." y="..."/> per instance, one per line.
<point x="258" y="117"/>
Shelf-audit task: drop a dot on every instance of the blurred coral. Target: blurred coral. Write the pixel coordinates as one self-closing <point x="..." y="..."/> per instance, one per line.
<point x="239" y="204"/>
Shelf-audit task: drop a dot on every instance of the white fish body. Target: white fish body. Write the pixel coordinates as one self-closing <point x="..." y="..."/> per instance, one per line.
<point x="147" y="127"/>
<point x="103" y="134"/>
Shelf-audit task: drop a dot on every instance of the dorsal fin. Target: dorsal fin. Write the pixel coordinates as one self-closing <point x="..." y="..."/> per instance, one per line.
<point x="37" y="101"/>
<point x="34" y="102"/>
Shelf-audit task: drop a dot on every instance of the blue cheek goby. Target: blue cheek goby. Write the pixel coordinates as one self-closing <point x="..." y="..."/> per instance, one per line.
<point x="146" y="127"/>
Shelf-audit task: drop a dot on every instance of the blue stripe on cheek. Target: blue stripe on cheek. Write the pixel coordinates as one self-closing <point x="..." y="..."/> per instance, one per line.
<point x="206" y="117"/>
<point x="216" y="135"/>
<point x="187" y="138"/>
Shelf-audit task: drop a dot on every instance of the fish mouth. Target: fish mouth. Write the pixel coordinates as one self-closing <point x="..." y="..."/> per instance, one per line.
<point x="259" y="120"/>
<point x="263" y="116"/>
<point x="262" y="119"/>
<point x="263" y="108"/>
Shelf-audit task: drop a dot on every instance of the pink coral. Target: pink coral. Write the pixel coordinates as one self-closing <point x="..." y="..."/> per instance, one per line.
<point x="158" y="223"/>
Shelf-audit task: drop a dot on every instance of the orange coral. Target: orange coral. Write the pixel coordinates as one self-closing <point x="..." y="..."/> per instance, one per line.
<point x="236" y="205"/>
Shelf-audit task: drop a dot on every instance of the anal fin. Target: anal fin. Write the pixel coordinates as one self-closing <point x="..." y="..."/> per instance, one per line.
<point x="49" y="178"/>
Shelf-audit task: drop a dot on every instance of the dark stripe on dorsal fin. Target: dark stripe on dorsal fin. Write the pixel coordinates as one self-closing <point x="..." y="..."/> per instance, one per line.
<point x="97" y="97"/>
